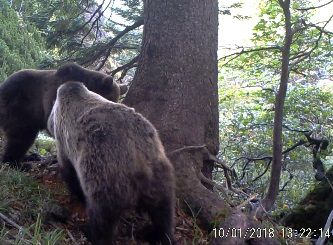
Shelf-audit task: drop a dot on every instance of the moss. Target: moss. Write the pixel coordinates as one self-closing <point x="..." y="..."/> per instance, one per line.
<point x="313" y="210"/>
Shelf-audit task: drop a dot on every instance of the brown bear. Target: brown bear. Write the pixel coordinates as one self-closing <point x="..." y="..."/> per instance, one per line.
<point x="26" y="99"/>
<point x="113" y="158"/>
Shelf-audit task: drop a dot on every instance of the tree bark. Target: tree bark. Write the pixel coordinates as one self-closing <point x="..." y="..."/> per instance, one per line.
<point x="175" y="87"/>
<point x="273" y="188"/>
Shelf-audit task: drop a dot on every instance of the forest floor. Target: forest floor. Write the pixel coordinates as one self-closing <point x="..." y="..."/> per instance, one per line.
<point x="36" y="209"/>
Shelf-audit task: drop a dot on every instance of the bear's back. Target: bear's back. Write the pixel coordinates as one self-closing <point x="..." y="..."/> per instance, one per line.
<point x="119" y="136"/>
<point x="21" y="96"/>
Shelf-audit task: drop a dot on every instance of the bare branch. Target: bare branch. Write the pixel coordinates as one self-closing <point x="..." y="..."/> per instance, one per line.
<point x="264" y="172"/>
<point x="299" y="143"/>
<point x="260" y="86"/>
<point x="291" y="176"/>
<point x="96" y="20"/>
<point x="208" y="156"/>
<point x="244" y="51"/>
<point x="91" y="17"/>
<point x="11" y="222"/>
<point x="116" y="38"/>
<point x="126" y="66"/>
<point x="315" y="7"/>
<point x="205" y="151"/>
<point x="301" y="56"/>
<point x="247" y="200"/>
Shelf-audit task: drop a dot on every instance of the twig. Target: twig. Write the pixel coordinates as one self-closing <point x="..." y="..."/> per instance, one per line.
<point x="218" y="162"/>
<point x="71" y="237"/>
<point x="269" y="158"/>
<point x="291" y="176"/>
<point x="247" y="201"/>
<point x="265" y="171"/>
<point x="116" y="38"/>
<point x="123" y="67"/>
<point x="244" y="51"/>
<point x="315" y="7"/>
<point x="187" y="148"/>
<point x="11" y="222"/>
<point x="205" y="151"/>
<point x="203" y="178"/>
<point x="95" y="21"/>
<point x="91" y="17"/>
<point x="230" y="187"/>
<point x="306" y="54"/>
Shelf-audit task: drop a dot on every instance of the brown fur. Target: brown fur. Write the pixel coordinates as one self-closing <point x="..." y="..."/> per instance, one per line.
<point x="112" y="158"/>
<point x="26" y="99"/>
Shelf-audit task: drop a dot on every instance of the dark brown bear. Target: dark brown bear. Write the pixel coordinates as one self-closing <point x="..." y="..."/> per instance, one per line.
<point x="112" y="157"/>
<point x="26" y="100"/>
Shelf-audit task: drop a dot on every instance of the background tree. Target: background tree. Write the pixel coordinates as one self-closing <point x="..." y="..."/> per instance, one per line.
<point x="21" y="45"/>
<point x="307" y="66"/>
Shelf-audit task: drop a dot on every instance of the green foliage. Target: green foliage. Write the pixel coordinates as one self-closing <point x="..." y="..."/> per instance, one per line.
<point x="78" y="31"/>
<point x="44" y="145"/>
<point x="21" y="45"/>
<point x="23" y="199"/>
<point x="246" y="122"/>
<point x="16" y="188"/>
<point x="310" y="50"/>
<point x="81" y="30"/>
<point x="248" y="85"/>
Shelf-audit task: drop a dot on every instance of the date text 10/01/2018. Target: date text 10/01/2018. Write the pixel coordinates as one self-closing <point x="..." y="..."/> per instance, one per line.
<point x="270" y="233"/>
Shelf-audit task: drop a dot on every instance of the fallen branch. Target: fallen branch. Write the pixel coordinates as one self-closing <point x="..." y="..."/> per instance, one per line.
<point x="11" y="222"/>
<point x="71" y="237"/>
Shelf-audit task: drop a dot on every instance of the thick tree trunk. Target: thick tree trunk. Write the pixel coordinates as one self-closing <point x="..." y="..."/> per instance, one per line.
<point x="175" y="87"/>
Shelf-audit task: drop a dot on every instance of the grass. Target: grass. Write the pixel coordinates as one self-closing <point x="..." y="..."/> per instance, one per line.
<point x="22" y="200"/>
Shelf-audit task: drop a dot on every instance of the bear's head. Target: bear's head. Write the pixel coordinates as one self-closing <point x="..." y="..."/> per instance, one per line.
<point x="95" y="81"/>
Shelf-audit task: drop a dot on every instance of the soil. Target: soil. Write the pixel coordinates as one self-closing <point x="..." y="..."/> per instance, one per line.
<point x="45" y="171"/>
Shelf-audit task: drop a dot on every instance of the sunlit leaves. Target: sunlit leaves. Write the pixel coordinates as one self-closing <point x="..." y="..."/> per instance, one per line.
<point x="248" y="84"/>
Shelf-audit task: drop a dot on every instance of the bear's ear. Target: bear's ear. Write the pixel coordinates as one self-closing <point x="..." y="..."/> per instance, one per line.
<point x="108" y="80"/>
<point x="123" y="88"/>
<point x="68" y="69"/>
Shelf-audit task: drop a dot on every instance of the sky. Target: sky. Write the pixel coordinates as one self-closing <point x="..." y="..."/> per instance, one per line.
<point x="239" y="32"/>
<point x="234" y="32"/>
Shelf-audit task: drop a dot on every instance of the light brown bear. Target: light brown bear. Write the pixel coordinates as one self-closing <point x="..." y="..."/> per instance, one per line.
<point x="26" y="99"/>
<point x="112" y="158"/>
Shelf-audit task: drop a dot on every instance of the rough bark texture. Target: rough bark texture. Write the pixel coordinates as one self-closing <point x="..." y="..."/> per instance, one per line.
<point x="175" y="87"/>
